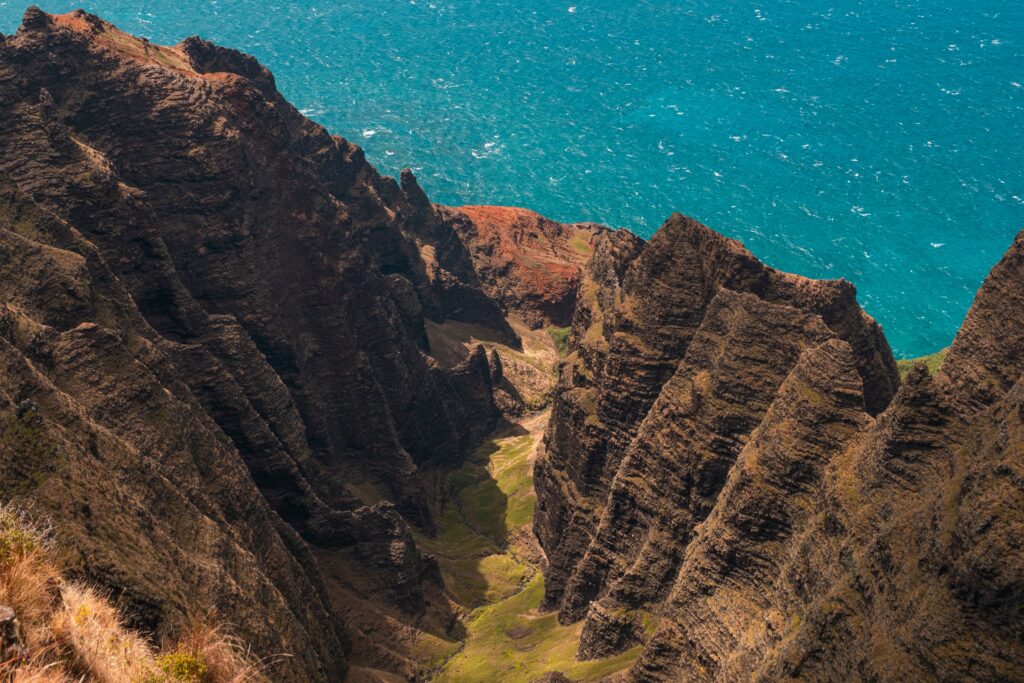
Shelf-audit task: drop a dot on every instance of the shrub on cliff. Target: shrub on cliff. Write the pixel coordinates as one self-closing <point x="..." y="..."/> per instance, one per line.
<point x="560" y="336"/>
<point x="20" y="535"/>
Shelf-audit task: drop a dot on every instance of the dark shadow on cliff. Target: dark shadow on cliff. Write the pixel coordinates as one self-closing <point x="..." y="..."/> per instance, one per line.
<point x="483" y="502"/>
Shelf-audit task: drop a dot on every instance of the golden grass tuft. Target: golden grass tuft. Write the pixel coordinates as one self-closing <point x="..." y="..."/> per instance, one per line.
<point x="225" y="657"/>
<point x="27" y="585"/>
<point x="98" y="644"/>
<point x="32" y="673"/>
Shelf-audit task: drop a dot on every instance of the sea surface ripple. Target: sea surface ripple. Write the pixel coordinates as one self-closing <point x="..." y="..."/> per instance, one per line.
<point x="878" y="141"/>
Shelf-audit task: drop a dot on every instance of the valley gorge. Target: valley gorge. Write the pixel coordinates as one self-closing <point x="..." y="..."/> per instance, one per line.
<point x="246" y="377"/>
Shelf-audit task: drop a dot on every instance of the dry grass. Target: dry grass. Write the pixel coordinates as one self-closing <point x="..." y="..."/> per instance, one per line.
<point x="226" y="658"/>
<point x="44" y="673"/>
<point x="73" y="633"/>
<point x="97" y="643"/>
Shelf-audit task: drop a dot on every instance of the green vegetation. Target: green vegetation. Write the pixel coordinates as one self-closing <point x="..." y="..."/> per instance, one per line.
<point x="486" y="566"/>
<point x="182" y="666"/>
<point x="560" y="335"/>
<point x="20" y="536"/>
<point x="932" y="362"/>
<point x="491" y="496"/>
<point x="432" y="651"/>
<point x="580" y="243"/>
<point x="511" y="641"/>
<point x="14" y="544"/>
<point x="506" y="501"/>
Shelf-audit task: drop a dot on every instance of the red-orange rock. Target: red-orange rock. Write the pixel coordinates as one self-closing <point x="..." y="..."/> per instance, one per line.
<point x="530" y="264"/>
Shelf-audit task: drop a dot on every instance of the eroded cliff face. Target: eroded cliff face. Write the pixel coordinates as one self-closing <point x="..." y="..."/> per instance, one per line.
<point x="99" y="431"/>
<point x="530" y="265"/>
<point x="215" y="378"/>
<point x="678" y="352"/>
<point x="733" y="479"/>
<point x="844" y="547"/>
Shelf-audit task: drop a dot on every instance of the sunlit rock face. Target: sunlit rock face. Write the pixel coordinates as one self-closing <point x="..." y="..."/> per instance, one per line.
<point x="735" y="477"/>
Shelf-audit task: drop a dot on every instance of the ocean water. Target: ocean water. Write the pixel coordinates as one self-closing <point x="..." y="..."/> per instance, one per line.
<point x="877" y="140"/>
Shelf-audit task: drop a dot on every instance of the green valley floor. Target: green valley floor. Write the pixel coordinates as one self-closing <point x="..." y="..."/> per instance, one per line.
<point x="491" y="565"/>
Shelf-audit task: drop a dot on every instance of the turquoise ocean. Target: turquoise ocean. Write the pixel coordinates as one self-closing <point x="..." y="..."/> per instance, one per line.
<point x="877" y="140"/>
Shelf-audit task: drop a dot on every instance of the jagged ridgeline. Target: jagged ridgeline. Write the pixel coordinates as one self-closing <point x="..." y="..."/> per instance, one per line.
<point x="254" y="385"/>
<point x="736" y="479"/>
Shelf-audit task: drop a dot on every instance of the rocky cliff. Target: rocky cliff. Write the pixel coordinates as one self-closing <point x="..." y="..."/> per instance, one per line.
<point x="735" y="478"/>
<point x="678" y="352"/>
<point x="530" y="265"/>
<point x="849" y="547"/>
<point x="214" y="375"/>
<point x="222" y="378"/>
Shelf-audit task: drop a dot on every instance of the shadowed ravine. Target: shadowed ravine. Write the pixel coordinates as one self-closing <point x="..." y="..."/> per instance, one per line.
<point x="490" y="562"/>
<point x="489" y="557"/>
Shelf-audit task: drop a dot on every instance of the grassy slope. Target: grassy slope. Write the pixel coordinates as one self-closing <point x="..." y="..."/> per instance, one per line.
<point x="560" y="336"/>
<point x="491" y="495"/>
<point x="932" y="362"/>
<point x="486" y="566"/>
<point x="510" y="641"/>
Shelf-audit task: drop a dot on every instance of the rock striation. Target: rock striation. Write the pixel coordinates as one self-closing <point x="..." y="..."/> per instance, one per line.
<point x="734" y="477"/>
<point x="215" y="376"/>
<point x="677" y="354"/>
<point x="883" y="548"/>
<point x="216" y="379"/>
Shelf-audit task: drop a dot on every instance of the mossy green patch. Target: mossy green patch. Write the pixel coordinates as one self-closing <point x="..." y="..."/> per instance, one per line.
<point x="648" y="622"/>
<point x="480" y="581"/>
<point x="15" y="543"/>
<point x="483" y="504"/>
<point x="183" y="666"/>
<point x="432" y="650"/>
<point x="932" y="362"/>
<point x="507" y="638"/>
<point x="493" y="492"/>
<point x="580" y="243"/>
<point x="560" y="336"/>
<point x="490" y="497"/>
<point x="502" y="499"/>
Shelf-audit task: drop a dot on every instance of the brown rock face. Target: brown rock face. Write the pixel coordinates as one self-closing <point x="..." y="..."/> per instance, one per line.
<point x="984" y="360"/>
<point x="883" y="549"/>
<point x="529" y="264"/>
<point x="98" y="429"/>
<point x="727" y="460"/>
<point x="673" y="471"/>
<point x="679" y="349"/>
<point x="206" y="297"/>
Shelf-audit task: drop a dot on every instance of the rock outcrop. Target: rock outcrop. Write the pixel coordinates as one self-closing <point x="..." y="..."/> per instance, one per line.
<point x="677" y="354"/>
<point x="529" y="264"/>
<point x="851" y="548"/>
<point x="100" y="432"/>
<point x="213" y="323"/>
<point x="732" y="477"/>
